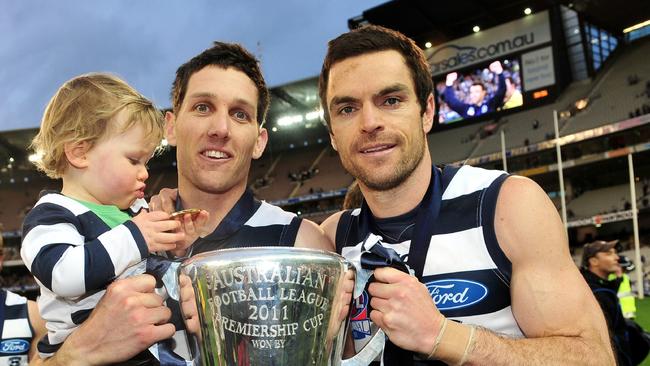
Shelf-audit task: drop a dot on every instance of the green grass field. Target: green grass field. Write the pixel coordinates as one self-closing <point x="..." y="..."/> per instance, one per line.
<point x="643" y="318"/>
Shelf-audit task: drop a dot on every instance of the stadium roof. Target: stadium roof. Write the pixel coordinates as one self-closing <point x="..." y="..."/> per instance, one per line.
<point x="447" y="20"/>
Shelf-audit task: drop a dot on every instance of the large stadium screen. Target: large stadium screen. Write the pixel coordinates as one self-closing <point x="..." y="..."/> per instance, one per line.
<point x="478" y="91"/>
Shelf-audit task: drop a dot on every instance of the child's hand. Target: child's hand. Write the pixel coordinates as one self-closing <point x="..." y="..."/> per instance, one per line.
<point x="159" y="231"/>
<point x="194" y="226"/>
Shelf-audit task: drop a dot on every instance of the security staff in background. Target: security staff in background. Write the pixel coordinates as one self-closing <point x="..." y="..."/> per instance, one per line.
<point x="599" y="261"/>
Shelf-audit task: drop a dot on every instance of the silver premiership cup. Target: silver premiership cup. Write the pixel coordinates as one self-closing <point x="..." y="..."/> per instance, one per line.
<point x="270" y="306"/>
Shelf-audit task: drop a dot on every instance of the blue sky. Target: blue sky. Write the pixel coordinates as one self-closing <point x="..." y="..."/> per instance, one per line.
<point x="44" y="43"/>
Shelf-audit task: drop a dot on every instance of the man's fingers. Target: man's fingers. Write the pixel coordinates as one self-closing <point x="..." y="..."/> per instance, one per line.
<point x="158" y="315"/>
<point x="148" y="300"/>
<point x="162" y="331"/>
<point x="378" y="318"/>
<point x="380" y="304"/>
<point x="168" y="199"/>
<point x="390" y="275"/>
<point x="383" y="290"/>
<point x="140" y="283"/>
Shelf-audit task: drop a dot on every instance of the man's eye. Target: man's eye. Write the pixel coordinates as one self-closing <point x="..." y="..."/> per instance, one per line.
<point x="346" y="110"/>
<point x="392" y="101"/>
<point x="202" y="108"/>
<point x="241" y="115"/>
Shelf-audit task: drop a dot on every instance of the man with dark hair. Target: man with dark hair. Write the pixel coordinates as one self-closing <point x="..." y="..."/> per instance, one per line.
<point x="219" y="102"/>
<point x="599" y="261"/>
<point x="477" y="104"/>
<point x="481" y="245"/>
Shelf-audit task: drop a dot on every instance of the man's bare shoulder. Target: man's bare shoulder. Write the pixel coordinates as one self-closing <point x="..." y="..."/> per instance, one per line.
<point x="310" y="235"/>
<point x="330" y="224"/>
<point x="527" y="222"/>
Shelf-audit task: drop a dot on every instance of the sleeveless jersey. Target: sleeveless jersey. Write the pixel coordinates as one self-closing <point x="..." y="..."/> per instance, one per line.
<point x="466" y="272"/>
<point x="250" y="223"/>
<point x="16" y="332"/>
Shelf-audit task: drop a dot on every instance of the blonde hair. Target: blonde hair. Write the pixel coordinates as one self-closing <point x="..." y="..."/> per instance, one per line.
<point x="82" y="110"/>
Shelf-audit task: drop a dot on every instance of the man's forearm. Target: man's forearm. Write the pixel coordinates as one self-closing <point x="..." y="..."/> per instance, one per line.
<point x="492" y="349"/>
<point x="67" y="356"/>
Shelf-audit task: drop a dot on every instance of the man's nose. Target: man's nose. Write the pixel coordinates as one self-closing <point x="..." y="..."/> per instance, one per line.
<point x="219" y="124"/>
<point x="370" y="119"/>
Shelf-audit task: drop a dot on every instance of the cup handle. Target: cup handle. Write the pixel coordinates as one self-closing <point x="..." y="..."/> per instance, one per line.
<point x="375" y="345"/>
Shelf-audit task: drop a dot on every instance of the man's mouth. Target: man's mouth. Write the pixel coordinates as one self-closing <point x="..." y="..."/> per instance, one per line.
<point x="215" y="154"/>
<point x="376" y="148"/>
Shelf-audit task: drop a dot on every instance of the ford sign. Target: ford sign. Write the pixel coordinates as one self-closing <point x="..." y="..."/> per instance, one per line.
<point x="14" y="346"/>
<point x="456" y="293"/>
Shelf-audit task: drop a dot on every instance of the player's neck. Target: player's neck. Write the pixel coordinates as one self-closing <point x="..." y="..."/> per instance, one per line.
<point x="217" y="204"/>
<point x="403" y="198"/>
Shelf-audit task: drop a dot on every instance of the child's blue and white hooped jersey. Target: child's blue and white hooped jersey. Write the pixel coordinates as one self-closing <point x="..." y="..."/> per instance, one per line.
<point x="74" y="256"/>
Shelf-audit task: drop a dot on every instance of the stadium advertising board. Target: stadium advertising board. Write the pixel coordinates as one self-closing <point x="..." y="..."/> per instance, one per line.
<point x="513" y="37"/>
<point x="499" y="69"/>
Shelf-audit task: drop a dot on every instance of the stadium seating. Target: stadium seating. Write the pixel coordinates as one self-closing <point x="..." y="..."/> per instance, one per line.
<point x="613" y="98"/>
<point x="332" y="175"/>
<point x="602" y="200"/>
<point x="290" y="162"/>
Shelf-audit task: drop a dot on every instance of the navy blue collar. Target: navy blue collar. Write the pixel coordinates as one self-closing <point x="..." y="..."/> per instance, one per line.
<point x="427" y="213"/>
<point x="238" y="215"/>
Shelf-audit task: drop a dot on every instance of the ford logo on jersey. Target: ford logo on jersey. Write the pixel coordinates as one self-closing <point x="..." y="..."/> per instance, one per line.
<point x="456" y="293"/>
<point x="14" y="346"/>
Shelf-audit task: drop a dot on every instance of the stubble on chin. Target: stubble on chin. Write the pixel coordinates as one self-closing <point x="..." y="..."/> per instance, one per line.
<point x="377" y="180"/>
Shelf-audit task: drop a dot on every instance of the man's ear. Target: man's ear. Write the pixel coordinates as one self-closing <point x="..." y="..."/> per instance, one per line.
<point x="429" y="114"/>
<point x="76" y="153"/>
<point x="260" y="143"/>
<point x="170" y="128"/>
<point x="333" y="142"/>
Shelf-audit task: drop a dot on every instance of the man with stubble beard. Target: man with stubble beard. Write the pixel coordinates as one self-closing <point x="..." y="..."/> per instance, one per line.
<point x="493" y="282"/>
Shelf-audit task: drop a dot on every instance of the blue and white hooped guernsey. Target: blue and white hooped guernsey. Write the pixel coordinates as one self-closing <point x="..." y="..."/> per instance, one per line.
<point x="16" y="332"/>
<point x="465" y="270"/>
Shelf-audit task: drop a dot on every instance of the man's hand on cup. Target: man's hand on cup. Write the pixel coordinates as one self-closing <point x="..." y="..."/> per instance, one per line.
<point x="188" y="305"/>
<point x="403" y="308"/>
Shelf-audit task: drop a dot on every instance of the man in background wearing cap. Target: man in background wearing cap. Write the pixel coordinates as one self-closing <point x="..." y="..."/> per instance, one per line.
<point x="599" y="260"/>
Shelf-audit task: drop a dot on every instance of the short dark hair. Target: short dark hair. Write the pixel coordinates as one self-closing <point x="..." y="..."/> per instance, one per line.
<point x="223" y="55"/>
<point x="373" y="38"/>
